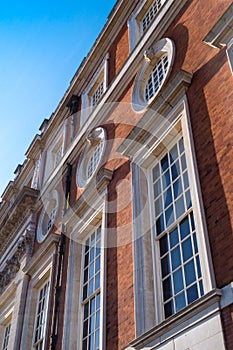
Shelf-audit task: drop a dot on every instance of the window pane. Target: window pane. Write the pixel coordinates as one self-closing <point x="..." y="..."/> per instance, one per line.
<point x="178" y="281"/>
<point x="175" y="170"/>
<point x="180" y="268"/>
<point x="177" y="188"/>
<point x="167" y="289"/>
<point x="180" y="301"/>
<point x="184" y="228"/>
<point x="158" y="206"/>
<point x="166" y="179"/>
<point x="157" y="189"/>
<point x="156" y="173"/>
<point x="169" y="216"/>
<point x="163" y="245"/>
<point x="97" y="281"/>
<point x="160" y="225"/>
<point x="164" y="163"/>
<point x="192" y="293"/>
<point x="187" y="249"/>
<point x="189" y="270"/>
<point x="174" y="239"/>
<point x="165" y="266"/>
<point x="176" y="259"/>
<point x="173" y="154"/>
<point x="169" y="309"/>
<point x="167" y="197"/>
<point x="188" y="200"/>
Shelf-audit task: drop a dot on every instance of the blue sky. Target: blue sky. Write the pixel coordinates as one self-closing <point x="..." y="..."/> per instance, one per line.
<point x="42" y="44"/>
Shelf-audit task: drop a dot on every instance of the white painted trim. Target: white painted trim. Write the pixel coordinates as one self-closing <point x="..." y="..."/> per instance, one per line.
<point x="230" y="54"/>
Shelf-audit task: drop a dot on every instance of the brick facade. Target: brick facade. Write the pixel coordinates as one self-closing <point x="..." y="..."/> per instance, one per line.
<point x="115" y="192"/>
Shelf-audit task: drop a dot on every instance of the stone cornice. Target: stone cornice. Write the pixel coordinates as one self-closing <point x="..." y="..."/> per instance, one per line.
<point x="14" y="217"/>
<point x="35" y="147"/>
<point x="24" y="200"/>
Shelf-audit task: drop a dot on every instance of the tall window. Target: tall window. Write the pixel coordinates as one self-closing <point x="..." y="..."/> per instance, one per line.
<point x="57" y="156"/>
<point x="41" y="317"/>
<point x="6" y="337"/>
<point x="150" y="14"/>
<point x="176" y="243"/>
<point x="91" y="292"/>
<point x="97" y="94"/>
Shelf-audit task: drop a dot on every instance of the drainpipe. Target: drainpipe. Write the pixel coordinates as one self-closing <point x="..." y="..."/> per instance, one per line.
<point x="61" y="254"/>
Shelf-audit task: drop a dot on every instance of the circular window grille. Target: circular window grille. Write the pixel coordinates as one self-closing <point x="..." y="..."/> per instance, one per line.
<point x="156" y="77"/>
<point x="155" y="69"/>
<point x="91" y="156"/>
<point x="47" y="217"/>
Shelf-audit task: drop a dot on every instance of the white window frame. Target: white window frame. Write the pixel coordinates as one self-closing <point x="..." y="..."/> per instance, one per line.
<point x="144" y="159"/>
<point x="100" y="77"/>
<point x="230" y="54"/>
<point x="6" y="337"/>
<point x="155" y="239"/>
<point x="37" y="342"/>
<point x="135" y="25"/>
<point x="82" y="228"/>
<point x="86" y="231"/>
<point x="96" y="291"/>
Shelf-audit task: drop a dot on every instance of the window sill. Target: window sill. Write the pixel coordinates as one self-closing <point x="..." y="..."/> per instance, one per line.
<point x="193" y="314"/>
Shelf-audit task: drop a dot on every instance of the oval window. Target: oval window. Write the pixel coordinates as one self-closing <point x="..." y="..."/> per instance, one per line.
<point x="155" y="69"/>
<point x="91" y="156"/>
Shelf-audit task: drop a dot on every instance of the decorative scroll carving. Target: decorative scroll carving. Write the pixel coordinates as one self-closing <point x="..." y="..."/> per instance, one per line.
<point x="24" y="247"/>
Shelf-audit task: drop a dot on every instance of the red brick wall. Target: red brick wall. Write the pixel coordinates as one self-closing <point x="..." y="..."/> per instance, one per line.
<point x="119" y="52"/>
<point x="210" y="103"/>
<point x="120" y="294"/>
<point x="227" y="320"/>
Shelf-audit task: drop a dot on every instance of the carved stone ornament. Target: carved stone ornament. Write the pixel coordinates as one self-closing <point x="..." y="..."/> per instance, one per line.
<point x="24" y="246"/>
